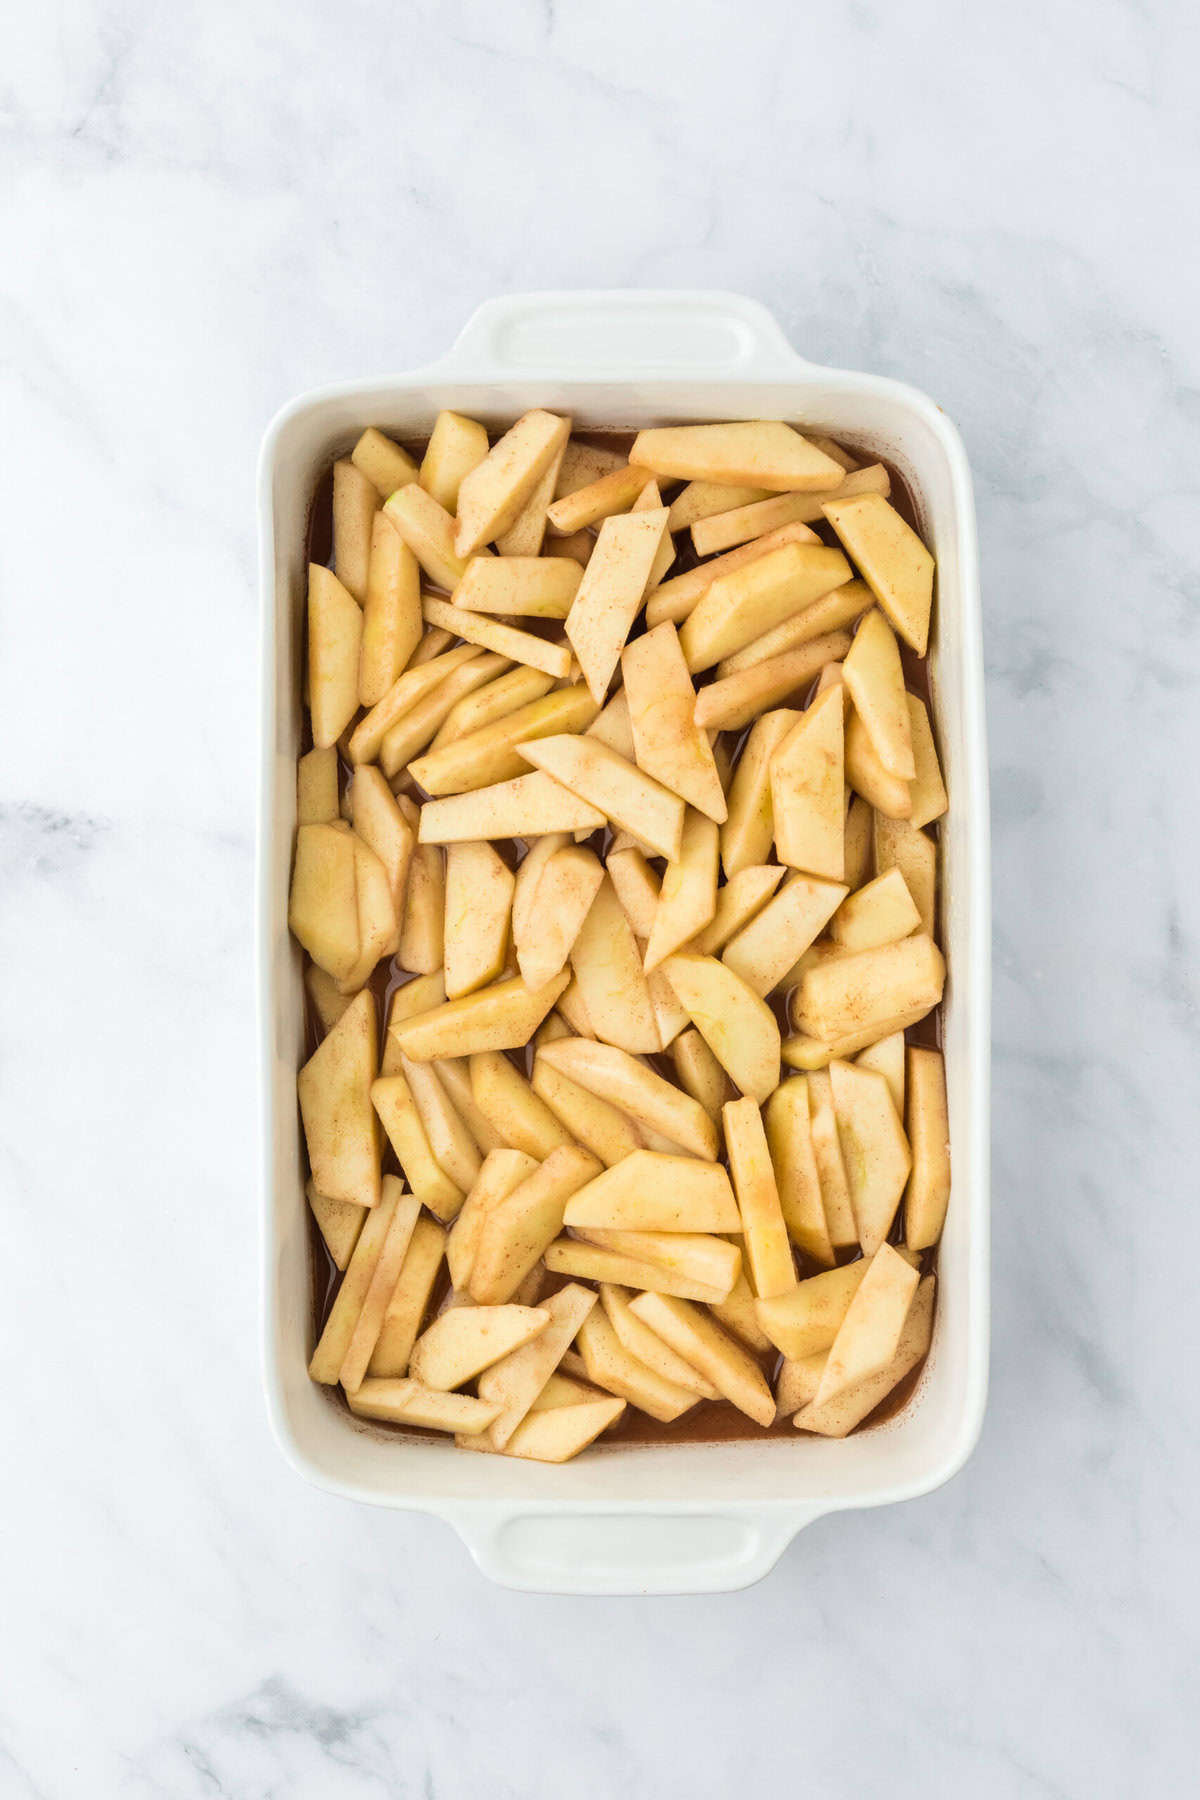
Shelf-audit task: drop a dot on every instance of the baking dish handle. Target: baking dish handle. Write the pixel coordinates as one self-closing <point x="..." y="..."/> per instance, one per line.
<point x="629" y="1553"/>
<point x="621" y="333"/>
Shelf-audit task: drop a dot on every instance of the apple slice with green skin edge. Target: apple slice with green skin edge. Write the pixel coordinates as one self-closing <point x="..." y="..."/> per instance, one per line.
<point x="638" y="1090"/>
<point x="874" y="1149"/>
<point x="737" y="1026"/>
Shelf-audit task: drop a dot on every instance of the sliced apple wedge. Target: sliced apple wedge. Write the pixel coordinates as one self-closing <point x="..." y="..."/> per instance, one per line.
<point x="869" y="1335"/>
<point x="501" y="1017"/>
<point x="739" y="901"/>
<point x="765" y="949"/>
<point x="360" y="1347"/>
<point x="614" y="787"/>
<point x="524" y="807"/>
<point x="838" y="1416"/>
<point x="650" y="1191"/>
<point x="535" y="587"/>
<point x="612" y="726"/>
<point x="418" y="680"/>
<point x="355" y="501"/>
<point x="564" y="897"/>
<point x="768" y="1248"/>
<point x="807" y="790"/>
<point x="518" y="1229"/>
<point x="610" y="1365"/>
<point x="603" y="1129"/>
<point x="737" y="1026"/>
<point x="709" y="1262"/>
<point x="326" y="1361"/>
<point x="317" y="787"/>
<point x="323" y="902"/>
<point x="611" y="593"/>
<point x="736" y="1314"/>
<point x="899" y="845"/>
<point x="410" y="1300"/>
<point x="339" y="1222"/>
<point x="676" y="598"/>
<point x="527" y="532"/>
<point x="886" y="1058"/>
<point x="827" y="1150"/>
<point x="825" y="617"/>
<point x="667" y="743"/>
<point x="875" y="678"/>
<point x="748" y="832"/>
<point x="858" y="837"/>
<point x="379" y="822"/>
<point x="699" y="1073"/>
<point x="467" y="1339"/>
<point x="501" y="1171"/>
<point x="429" y="531"/>
<point x="479" y="892"/>
<point x="805" y="1320"/>
<point x="688" y="897"/>
<point x="897" y="566"/>
<point x="561" y="1433"/>
<point x="633" y="1086"/>
<point x="731" y="704"/>
<point x="927" y="790"/>
<point x="874" y="1149"/>
<point x="758" y="452"/>
<point x="491" y="754"/>
<point x="385" y="465"/>
<point x="851" y="993"/>
<point x="613" y="491"/>
<point x="392" y="623"/>
<point x="596" y="1262"/>
<point x="393" y="1100"/>
<point x="703" y="499"/>
<point x="648" y="1347"/>
<point x="504" y="640"/>
<point x="453" y="1147"/>
<point x="456" y="446"/>
<point x="789" y="1136"/>
<point x="509" y="1103"/>
<point x="722" y="530"/>
<point x="334" y="643"/>
<point x="582" y="463"/>
<point x="498" y="700"/>
<point x="928" y="1192"/>
<point x="740" y="606"/>
<point x="491" y="495"/>
<point x="420" y="724"/>
<point x="335" y="1105"/>
<point x="700" y="1340"/>
<point x="422" y="923"/>
<point x="880" y="913"/>
<point x="518" y="1379"/>
<point x="407" y="1402"/>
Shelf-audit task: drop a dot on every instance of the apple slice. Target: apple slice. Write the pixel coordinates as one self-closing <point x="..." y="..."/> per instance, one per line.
<point x="334" y="642"/>
<point x="613" y="491"/>
<point x="612" y="726"/>
<point x="740" y="606"/>
<point x="731" y="704"/>
<point x="453" y="1147"/>
<point x="393" y="1100"/>
<point x="421" y="926"/>
<point x="529" y="873"/>
<point x="756" y="452"/>
<point x="479" y="893"/>
<point x="869" y="1335"/>
<point x="419" y="725"/>
<point x="498" y="700"/>
<point x="650" y="500"/>
<point x="377" y="924"/>
<point x="385" y="465"/>
<point x="339" y="1222"/>
<point x="741" y="899"/>
<point x="502" y="1017"/>
<point x="355" y="501"/>
<point x="797" y="1382"/>
<point x="851" y="993"/>
<point x="634" y="1087"/>
<point x="928" y="1192"/>
<point x="519" y="1378"/>
<point x="611" y="593"/>
<point x="927" y="790"/>
<point x="369" y="1322"/>
<point x="563" y="899"/>
<point x="327" y="999"/>
<point x="699" y="1340"/>
<point x="467" y="1339"/>
<point x="688" y="897"/>
<point x="648" y="1347"/>
<point x="876" y="682"/>
<point x="807" y="790"/>
<point x="524" y="807"/>
<point x="326" y="1362"/>
<point x="407" y="1402"/>
<point x="886" y="1058"/>
<point x="676" y="598"/>
<point x="527" y="532"/>
<point x="410" y="1300"/>
<point x="491" y="495"/>
<point x="456" y="446"/>
<point x="637" y="887"/>
<point x="379" y="822"/>
<point x="667" y="743"/>
<point x="650" y="1191"/>
<point x="335" y="1106"/>
<point x="510" y="1104"/>
<point x="748" y="832"/>
<point x="608" y="969"/>
<point x="789" y="1137"/>
<point x="518" y="1229"/>
<point x="899" y="845"/>
<point x="597" y="1262"/>
<point x="882" y="912"/>
<point x="888" y="794"/>
<point x="832" y="613"/>
<point x="737" y="1026"/>
<point x="501" y="1171"/>
<point x="599" y="1127"/>
<point x="317" y="787"/>
<point x="722" y="530"/>
<point x="699" y="1072"/>
<point x="765" y="949"/>
<point x="768" y="1248"/>
<point x="610" y="1365"/>
<point x="897" y="566"/>
<point x="504" y="640"/>
<point x="703" y="499"/>
<point x="827" y="1151"/>
<point x="858" y="837"/>
<point x="418" y="680"/>
<point x="323" y="902"/>
<point x="806" y="1320"/>
<point x="874" y="1149"/>
<point x="392" y="622"/>
<point x="561" y="1433"/>
<point x="838" y="1416"/>
<point x="429" y="531"/>
<point x="535" y="587"/>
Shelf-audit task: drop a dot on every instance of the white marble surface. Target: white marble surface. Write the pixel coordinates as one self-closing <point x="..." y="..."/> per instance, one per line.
<point x="205" y="210"/>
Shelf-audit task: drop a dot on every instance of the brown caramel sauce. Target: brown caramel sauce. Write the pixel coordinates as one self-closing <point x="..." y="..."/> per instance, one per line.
<point x="710" y="1421"/>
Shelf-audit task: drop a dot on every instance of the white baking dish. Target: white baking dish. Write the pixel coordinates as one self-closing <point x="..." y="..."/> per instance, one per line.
<point x="654" y="1519"/>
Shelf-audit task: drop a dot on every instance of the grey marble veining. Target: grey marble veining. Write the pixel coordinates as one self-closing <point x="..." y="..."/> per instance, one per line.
<point x="206" y="211"/>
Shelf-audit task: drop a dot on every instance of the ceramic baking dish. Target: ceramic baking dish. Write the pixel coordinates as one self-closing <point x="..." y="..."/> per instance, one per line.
<point x="652" y="1519"/>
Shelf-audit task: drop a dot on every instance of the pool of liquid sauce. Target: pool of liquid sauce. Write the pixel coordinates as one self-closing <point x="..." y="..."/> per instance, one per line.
<point x="710" y="1421"/>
